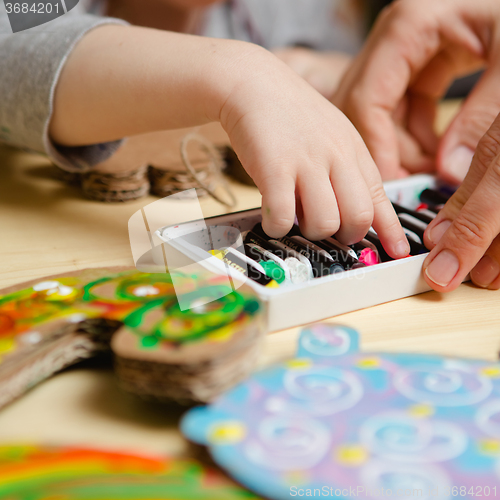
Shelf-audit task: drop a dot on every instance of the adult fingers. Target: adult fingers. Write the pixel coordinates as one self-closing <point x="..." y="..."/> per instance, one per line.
<point x="469" y="235"/>
<point x="405" y="40"/>
<point x="486" y="274"/>
<point x="413" y="159"/>
<point x="488" y="148"/>
<point x="425" y="93"/>
<point x="421" y="118"/>
<point x="377" y="82"/>
<point x="418" y="139"/>
<point x="458" y="144"/>
<point x="382" y="141"/>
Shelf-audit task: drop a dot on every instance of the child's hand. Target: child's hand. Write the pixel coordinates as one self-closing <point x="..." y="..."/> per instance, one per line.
<point x="306" y="159"/>
<point x="303" y="153"/>
<point x="465" y="235"/>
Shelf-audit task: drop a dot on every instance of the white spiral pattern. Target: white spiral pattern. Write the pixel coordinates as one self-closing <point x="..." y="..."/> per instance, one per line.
<point x="426" y="479"/>
<point x="322" y="391"/>
<point x="451" y="385"/>
<point x="488" y="418"/>
<point x="399" y="437"/>
<point x="288" y="444"/>
<point x="326" y="341"/>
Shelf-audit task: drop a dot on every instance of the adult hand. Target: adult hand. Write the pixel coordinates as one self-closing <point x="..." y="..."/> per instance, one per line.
<point x="391" y="91"/>
<point x="465" y="235"/>
<point x="322" y="70"/>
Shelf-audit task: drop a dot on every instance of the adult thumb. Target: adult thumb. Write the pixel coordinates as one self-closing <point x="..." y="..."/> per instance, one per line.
<point x="469" y="223"/>
<point x="459" y="142"/>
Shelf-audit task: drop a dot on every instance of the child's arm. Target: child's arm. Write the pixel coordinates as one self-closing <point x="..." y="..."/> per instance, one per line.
<point x="294" y="143"/>
<point x="30" y="63"/>
<point x="122" y="81"/>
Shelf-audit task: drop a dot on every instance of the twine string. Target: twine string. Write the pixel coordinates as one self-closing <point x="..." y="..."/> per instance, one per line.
<point x="216" y="164"/>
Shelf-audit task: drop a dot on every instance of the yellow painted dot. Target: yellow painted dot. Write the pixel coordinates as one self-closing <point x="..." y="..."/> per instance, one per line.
<point x="421" y="411"/>
<point x="61" y="293"/>
<point x="491" y="371"/>
<point x="222" y="334"/>
<point x="296" y="477"/>
<point x="299" y="363"/>
<point x="273" y="284"/>
<point x="490" y="447"/>
<point x="351" y="455"/>
<point x="7" y="345"/>
<point x="368" y="363"/>
<point x="227" y="433"/>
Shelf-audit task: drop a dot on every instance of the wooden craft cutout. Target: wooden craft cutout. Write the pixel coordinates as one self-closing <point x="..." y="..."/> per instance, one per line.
<point x="160" y="351"/>
<point x="335" y="421"/>
<point x="151" y="163"/>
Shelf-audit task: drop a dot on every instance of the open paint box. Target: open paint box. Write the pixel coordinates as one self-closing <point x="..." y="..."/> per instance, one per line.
<point x="291" y="304"/>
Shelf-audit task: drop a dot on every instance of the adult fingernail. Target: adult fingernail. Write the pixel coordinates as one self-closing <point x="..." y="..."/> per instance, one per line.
<point x="485" y="272"/>
<point x="437" y="232"/>
<point x="443" y="268"/>
<point x="459" y="162"/>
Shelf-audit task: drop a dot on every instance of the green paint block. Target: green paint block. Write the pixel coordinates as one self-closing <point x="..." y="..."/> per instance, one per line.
<point x="149" y="342"/>
<point x="273" y="270"/>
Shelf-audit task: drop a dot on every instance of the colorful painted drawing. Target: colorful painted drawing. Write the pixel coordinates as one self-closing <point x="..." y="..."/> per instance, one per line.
<point x="336" y="422"/>
<point x="43" y="473"/>
<point x="50" y="323"/>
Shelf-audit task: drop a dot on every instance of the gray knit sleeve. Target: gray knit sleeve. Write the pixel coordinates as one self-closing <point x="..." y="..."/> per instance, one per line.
<point x="30" y="64"/>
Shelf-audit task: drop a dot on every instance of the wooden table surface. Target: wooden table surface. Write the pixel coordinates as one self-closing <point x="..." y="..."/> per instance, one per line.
<point x="47" y="228"/>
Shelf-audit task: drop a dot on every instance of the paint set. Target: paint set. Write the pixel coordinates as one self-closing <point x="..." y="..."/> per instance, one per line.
<point x="303" y="281"/>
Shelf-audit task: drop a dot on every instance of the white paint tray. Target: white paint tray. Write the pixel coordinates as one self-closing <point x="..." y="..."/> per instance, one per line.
<point x="296" y="304"/>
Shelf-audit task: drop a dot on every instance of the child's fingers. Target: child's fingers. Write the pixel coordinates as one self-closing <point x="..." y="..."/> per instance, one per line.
<point x="387" y="225"/>
<point x="354" y="200"/>
<point x="385" y="220"/>
<point x="321" y="216"/>
<point x="278" y="203"/>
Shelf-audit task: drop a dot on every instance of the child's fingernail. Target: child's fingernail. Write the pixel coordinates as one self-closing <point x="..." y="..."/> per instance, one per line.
<point x="485" y="272"/>
<point x="459" y="162"/>
<point x="443" y="268"/>
<point x="437" y="232"/>
<point x="403" y="248"/>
